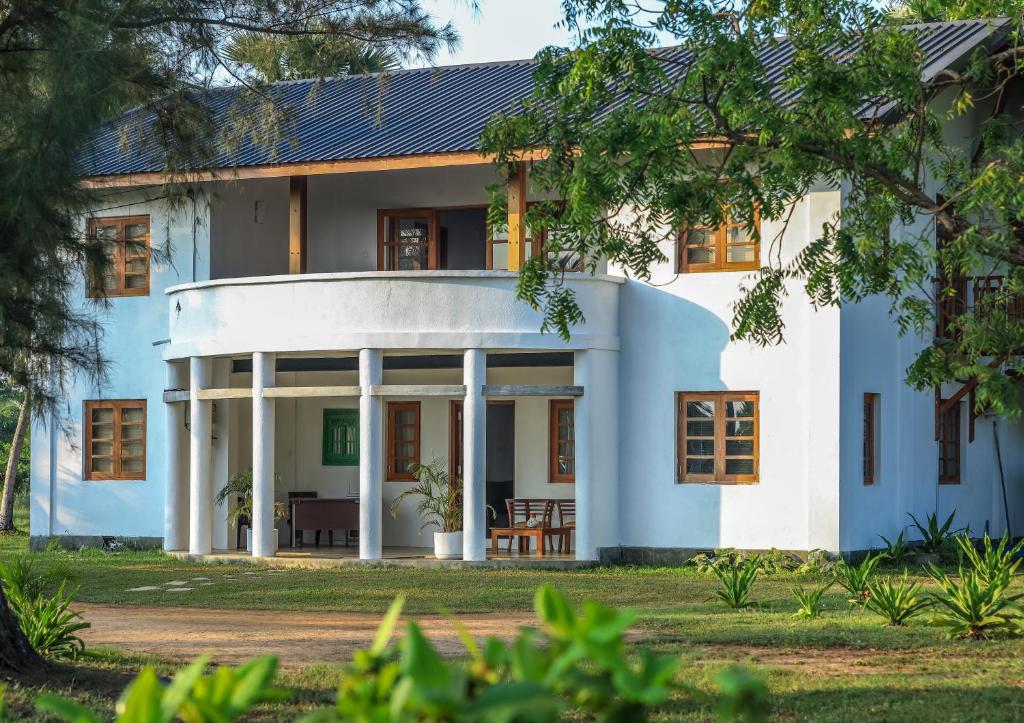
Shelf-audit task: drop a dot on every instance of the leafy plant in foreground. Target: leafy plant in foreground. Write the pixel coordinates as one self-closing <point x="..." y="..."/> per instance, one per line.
<point x="225" y="695"/>
<point x="854" y="578"/>
<point x="896" y="601"/>
<point x="975" y="606"/>
<point x="737" y="581"/>
<point x="990" y="562"/>
<point x="810" y="600"/>
<point x="577" y="663"/>
<point x="935" y="537"/>
<point x="899" y="550"/>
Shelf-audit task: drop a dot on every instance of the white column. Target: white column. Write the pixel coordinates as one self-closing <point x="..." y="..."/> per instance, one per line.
<point x="177" y="481"/>
<point x="474" y="459"/>
<point x="585" y="549"/>
<point x="200" y="540"/>
<point x="263" y="366"/>
<point x="371" y="455"/>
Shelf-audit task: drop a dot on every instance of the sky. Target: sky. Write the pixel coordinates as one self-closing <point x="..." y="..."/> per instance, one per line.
<point x="501" y="30"/>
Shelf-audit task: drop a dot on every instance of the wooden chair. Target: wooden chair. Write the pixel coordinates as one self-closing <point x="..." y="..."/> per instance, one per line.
<point x="520" y="510"/>
<point x="566" y="523"/>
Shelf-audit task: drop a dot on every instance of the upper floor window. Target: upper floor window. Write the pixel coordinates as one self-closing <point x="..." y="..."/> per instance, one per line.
<point x="403" y="441"/>
<point x="728" y="247"/>
<point x="717" y="437"/>
<point x="566" y="258"/>
<point x="341" y="437"/>
<point x="407" y="240"/>
<point x="125" y="241"/>
<point x="115" y="439"/>
<point x="949" y="446"/>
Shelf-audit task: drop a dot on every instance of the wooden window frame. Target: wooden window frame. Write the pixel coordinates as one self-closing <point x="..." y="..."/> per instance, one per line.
<point x="872" y="401"/>
<point x="393" y="475"/>
<point x="950" y="440"/>
<point x="718" y="476"/>
<point x="721" y="246"/>
<point x="95" y="286"/>
<point x="116" y="405"/>
<point x="384" y="246"/>
<point x="339" y="417"/>
<point x="554" y="476"/>
<point x="536" y="243"/>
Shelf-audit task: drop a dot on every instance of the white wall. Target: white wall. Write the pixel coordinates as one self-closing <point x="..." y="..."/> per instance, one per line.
<point x="675" y="337"/>
<point x="134" y="328"/>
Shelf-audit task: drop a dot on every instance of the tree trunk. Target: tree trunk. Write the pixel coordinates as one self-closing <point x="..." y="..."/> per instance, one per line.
<point x="15" y="651"/>
<point x="11" y="474"/>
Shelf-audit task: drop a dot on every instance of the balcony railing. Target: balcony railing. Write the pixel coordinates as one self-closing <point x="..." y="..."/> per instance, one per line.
<point x="979" y="295"/>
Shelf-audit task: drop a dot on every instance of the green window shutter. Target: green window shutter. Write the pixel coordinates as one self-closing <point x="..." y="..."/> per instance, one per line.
<point x="341" y="437"/>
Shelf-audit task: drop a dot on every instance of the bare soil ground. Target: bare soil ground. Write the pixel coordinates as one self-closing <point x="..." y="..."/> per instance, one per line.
<point x="298" y="639"/>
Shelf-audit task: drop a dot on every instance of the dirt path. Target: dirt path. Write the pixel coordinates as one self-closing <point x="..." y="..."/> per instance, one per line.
<point x="297" y="638"/>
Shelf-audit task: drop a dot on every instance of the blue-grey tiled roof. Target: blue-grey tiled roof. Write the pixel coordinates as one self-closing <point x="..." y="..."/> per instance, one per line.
<point x="430" y="110"/>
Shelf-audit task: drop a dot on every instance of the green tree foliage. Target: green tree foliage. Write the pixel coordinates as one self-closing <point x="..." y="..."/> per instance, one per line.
<point x="64" y="68"/>
<point x="625" y="124"/>
<point x="275" y="58"/>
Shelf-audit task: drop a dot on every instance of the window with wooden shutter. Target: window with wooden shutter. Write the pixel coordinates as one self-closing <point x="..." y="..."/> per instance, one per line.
<point x="871" y="437"/>
<point x="403" y="441"/>
<point x="341" y="437"/>
<point x="717" y="437"/>
<point x="949" y="446"/>
<point x="115" y="439"/>
<point x="125" y="242"/>
<point x="407" y="240"/>
<point x="562" y="446"/>
<point x="730" y="246"/>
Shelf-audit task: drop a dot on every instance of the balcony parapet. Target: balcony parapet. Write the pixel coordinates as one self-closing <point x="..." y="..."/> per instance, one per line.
<point x="413" y="310"/>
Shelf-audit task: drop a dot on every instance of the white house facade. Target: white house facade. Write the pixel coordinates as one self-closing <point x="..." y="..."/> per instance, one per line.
<point x="335" y="316"/>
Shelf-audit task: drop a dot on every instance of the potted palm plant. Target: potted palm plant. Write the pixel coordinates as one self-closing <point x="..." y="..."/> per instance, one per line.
<point x="440" y="504"/>
<point x="239" y="487"/>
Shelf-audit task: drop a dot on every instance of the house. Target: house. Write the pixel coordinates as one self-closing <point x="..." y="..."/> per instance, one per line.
<point x="334" y="311"/>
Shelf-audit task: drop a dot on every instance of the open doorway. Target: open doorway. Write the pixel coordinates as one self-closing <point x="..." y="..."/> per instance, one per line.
<point x="501" y="458"/>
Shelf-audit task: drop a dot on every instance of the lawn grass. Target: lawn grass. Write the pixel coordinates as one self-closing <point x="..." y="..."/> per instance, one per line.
<point x="844" y="666"/>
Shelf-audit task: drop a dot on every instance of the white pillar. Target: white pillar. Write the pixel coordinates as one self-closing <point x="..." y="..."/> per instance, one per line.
<point x="200" y="540"/>
<point x="263" y="376"/>
<point x="371" y="455"/>
<point x="474" y="459"/>
<point x="585" y="549"/>
<point x="177" y="481"/>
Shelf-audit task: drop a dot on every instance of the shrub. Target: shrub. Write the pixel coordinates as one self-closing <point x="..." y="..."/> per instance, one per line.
<point x="975" y="606"/>
<point x="990" y="562"/>
<point x="575" y="661"/>
<point x="47" y="621"/>
<point x="810" y="601"/>
<point x="22" y="580"/>
<point x="50" y="625"/>
<point x="896" y="601"/>
<point x="935" y="537"/>
<point x="854" y="578"/>
<point x="899" y="550"/>
<point x="737" y="581"/>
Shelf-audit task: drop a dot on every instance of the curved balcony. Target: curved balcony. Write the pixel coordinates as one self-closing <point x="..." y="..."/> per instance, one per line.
<point x="390" y="310"/>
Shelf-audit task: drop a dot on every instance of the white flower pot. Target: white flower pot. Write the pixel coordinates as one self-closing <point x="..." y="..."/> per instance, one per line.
<point x="448" y="545"/>
<point x="248" y="539"/>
